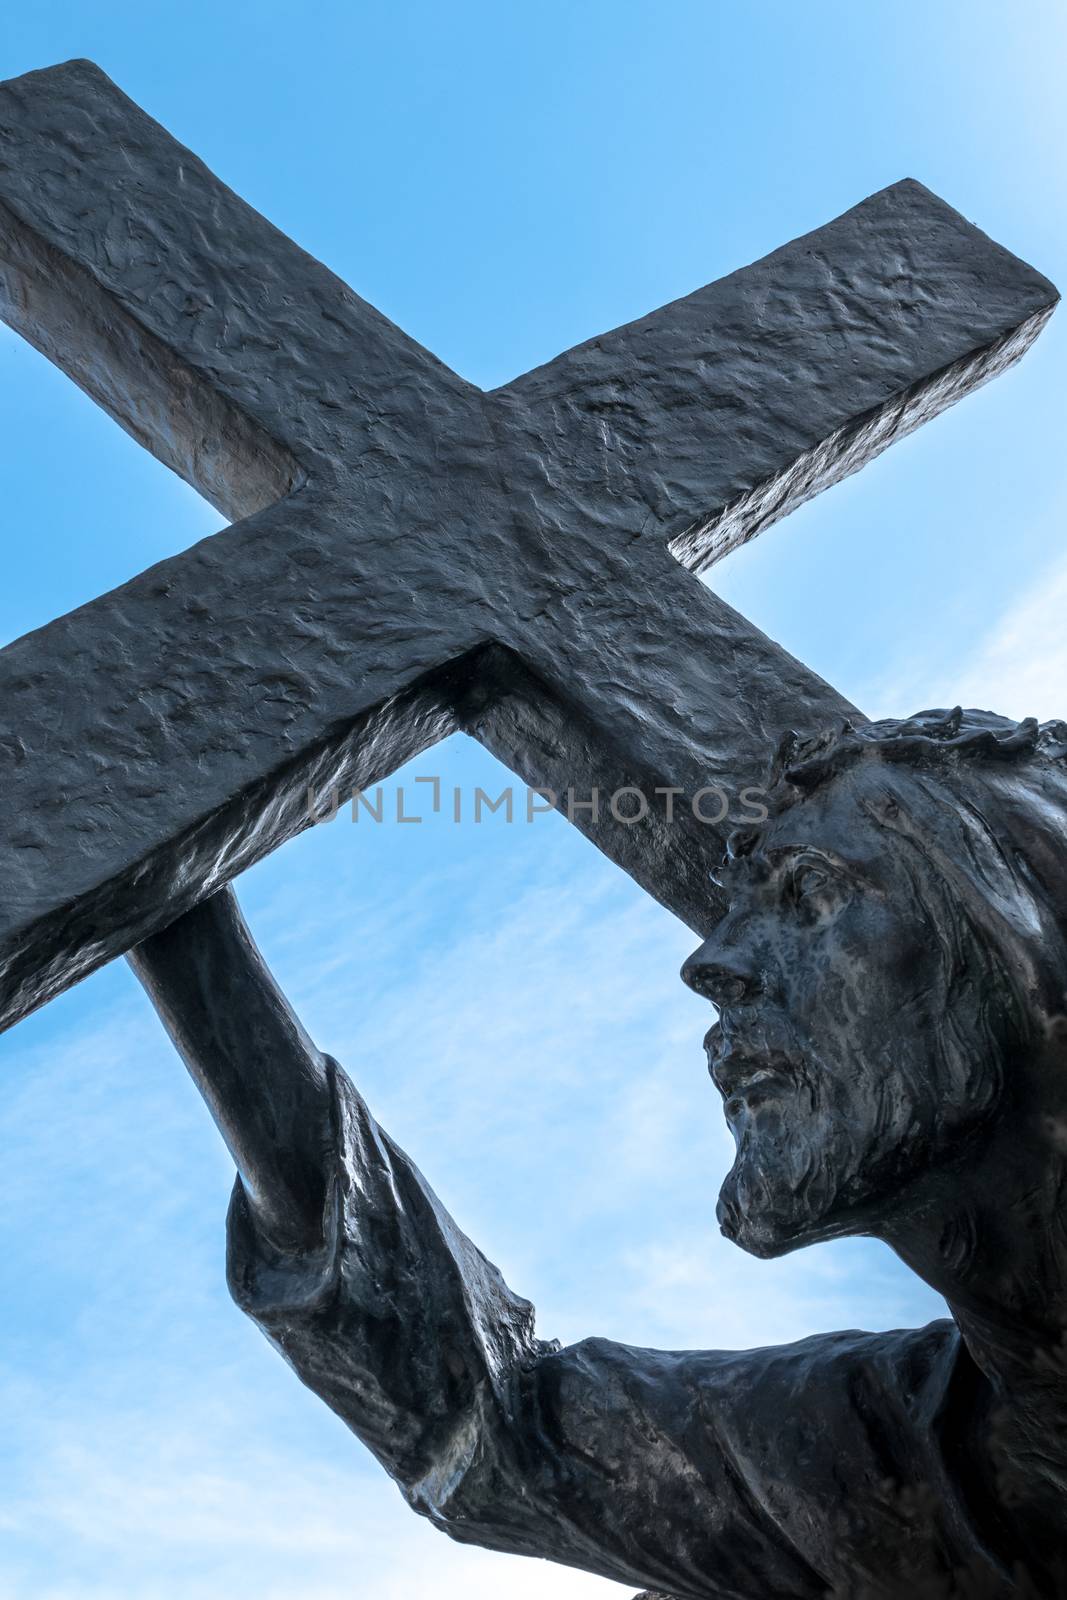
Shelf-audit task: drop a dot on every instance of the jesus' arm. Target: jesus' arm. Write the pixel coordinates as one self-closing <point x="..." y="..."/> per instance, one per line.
<point x="264" y="1082"/>
<point x="676" y="1472"/>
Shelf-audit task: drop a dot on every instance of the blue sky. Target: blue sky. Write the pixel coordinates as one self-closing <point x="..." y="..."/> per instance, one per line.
<point x="502" y="180"/>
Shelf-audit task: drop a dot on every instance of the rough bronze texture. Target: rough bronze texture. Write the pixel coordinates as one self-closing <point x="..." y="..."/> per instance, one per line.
<point x="411" y="555"/>
<point x="891" y="1052"/>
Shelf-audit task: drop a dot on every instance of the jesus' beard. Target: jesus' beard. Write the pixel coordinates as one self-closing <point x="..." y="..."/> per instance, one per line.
<point x="812" y="1157"/>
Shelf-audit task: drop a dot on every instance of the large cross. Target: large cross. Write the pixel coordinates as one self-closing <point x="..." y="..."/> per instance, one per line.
<point x="409" y="555"/>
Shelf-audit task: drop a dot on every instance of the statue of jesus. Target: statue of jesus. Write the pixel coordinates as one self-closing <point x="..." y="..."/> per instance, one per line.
<point x="891" y="1051"/>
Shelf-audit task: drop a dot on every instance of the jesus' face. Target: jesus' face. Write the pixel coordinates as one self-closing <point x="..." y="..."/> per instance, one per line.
<point x="834" y="1001"/>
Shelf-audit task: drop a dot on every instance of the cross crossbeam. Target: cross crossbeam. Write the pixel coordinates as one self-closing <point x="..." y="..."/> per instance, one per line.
<point x="409" y="555"/>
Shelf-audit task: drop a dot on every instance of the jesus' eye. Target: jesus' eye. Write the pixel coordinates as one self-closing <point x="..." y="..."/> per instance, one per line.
<point x="806" y="881"/>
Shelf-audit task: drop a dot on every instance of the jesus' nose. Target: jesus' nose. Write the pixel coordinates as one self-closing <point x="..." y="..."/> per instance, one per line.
<point x="718" y="976"/>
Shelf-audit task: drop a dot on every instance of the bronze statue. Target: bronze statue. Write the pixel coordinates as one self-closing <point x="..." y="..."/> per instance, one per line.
<point x="410" y="556"/>
<point x="891" y="981"/>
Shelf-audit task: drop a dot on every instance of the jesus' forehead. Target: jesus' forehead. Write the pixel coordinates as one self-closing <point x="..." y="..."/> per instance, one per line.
<point x="842" y="822"/>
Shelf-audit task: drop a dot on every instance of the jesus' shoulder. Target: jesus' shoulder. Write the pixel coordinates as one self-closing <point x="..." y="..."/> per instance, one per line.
<point x="806" y="1470"/>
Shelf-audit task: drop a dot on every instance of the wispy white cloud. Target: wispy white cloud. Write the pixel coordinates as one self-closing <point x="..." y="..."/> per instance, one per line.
<point x="1020" y="667"/>
<point x="1017" y="667"/>
<point x="691" y="1291"/>
<point x="156" y="1507"/>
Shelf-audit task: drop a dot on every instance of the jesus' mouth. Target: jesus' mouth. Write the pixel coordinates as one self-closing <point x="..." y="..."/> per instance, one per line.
<point x="744" y="1076"/>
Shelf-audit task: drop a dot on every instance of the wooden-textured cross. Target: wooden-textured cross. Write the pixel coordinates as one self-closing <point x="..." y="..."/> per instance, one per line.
<point x="409" y="555"/>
